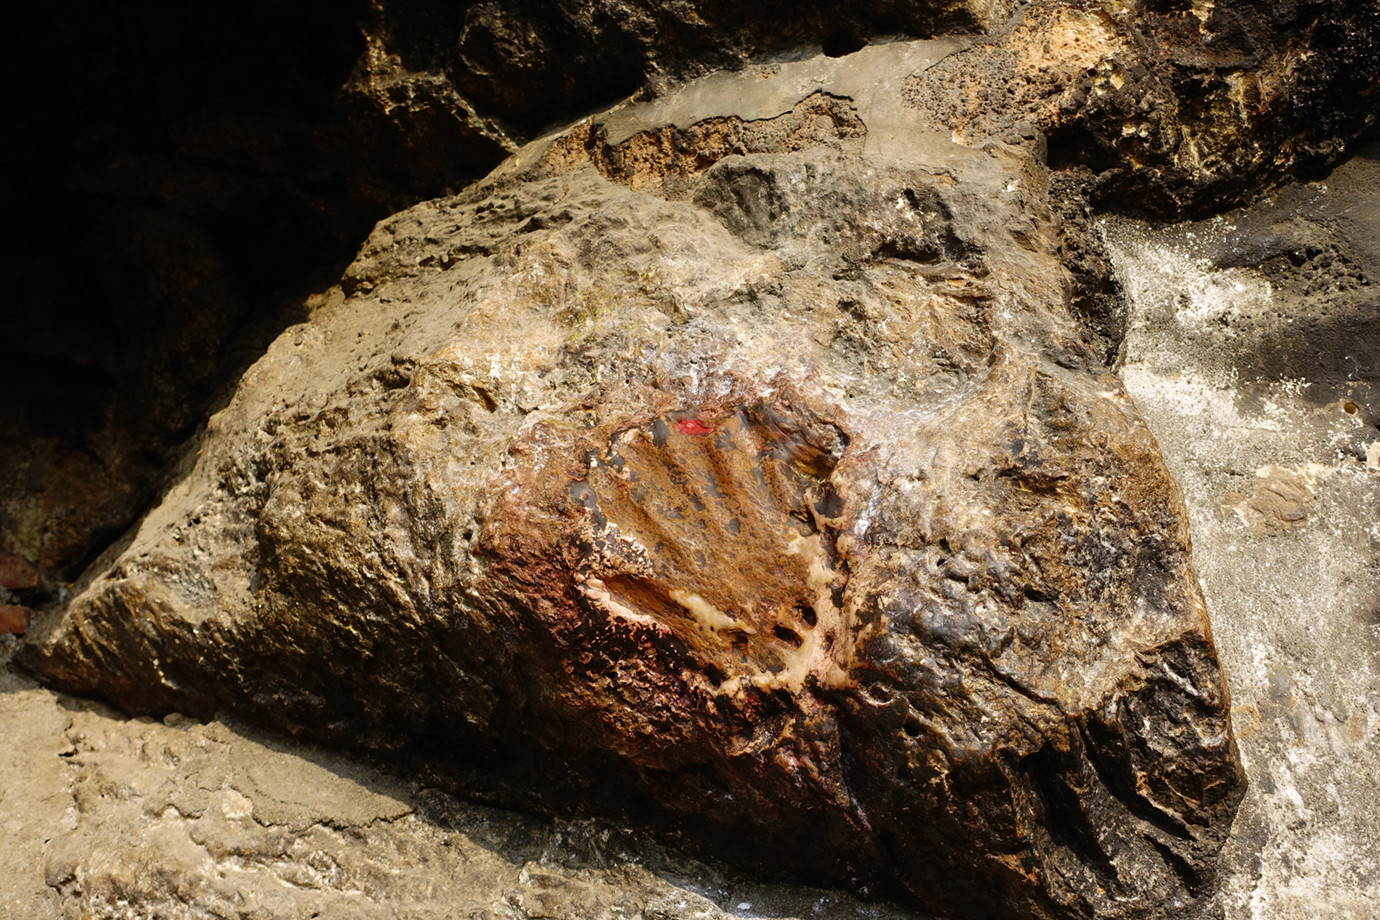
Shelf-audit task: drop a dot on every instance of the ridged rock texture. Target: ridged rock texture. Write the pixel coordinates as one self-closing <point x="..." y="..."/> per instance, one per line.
<point x="213" y="166"/>
<point x="742" y="473"/>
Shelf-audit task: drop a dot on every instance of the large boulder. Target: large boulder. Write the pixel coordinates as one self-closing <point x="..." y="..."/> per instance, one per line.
<point x="731" y="462"/>
<point x="211" y="165"/>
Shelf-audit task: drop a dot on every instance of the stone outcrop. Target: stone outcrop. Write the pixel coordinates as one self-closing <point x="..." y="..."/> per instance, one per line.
<point x="210" y="169"/>
<point x="744" y="473"/>
<point x="1173" y="107"/>
<point x="1255" y="357"/>
<point x="1170" y="108"/>
<point x="500" y="73"/>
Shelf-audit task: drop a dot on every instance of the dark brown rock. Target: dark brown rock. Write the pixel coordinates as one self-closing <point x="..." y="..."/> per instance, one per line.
<point x="509" y="70"/>
<point x="16" y="572"/>
<point x="761" y="485"/>
<point x="166" y="196"/>
<point x="1175" y="108"/>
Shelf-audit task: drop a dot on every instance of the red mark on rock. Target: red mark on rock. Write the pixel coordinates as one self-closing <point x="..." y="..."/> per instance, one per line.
<point x="690" y="426"/>
<point x="14" y="619"/>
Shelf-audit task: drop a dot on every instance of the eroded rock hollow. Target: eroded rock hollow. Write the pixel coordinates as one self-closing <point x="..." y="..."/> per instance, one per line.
<point x="749" y="472"/>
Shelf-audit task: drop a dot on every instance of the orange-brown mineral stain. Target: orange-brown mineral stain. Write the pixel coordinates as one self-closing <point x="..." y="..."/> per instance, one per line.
<point x="14" y="619"/>
<point x="717" y="530"/>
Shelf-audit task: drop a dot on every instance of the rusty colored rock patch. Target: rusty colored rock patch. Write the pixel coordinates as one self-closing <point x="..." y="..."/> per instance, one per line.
<point x="16" y="573"/>
<point x="690" y="588"/>
<point x="15" y="619"/>
<point x="665" y="158"/>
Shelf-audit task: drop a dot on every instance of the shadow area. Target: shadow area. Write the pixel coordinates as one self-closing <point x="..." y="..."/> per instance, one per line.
<point x="1330" y="346"/>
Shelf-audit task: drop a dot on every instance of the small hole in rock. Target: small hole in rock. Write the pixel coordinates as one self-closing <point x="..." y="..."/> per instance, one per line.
<point x="807" y="614"/>
<point x="830" y="506"/>
<point x="912" y="728"/>
<point x="715" y="676"/>
<point x="879" y="695"/>
<point x="841" y="42"/>
<point x="1351" y="408"/>
<point x="787" y="635"/>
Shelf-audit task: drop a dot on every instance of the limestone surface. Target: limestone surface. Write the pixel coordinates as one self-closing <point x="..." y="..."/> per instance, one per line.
<point x="743" y="474"/>
<point x="211" y="169"/>
<point x="108" y="817"/>
<point x="1254" y="356"/>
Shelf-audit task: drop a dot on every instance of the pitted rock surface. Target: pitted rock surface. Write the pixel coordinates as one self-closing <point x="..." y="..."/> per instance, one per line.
<point x="773" y="496"/>
<point x="216" y="167"/>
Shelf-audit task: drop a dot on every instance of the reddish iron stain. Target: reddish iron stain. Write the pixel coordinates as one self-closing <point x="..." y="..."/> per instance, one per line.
<point x="16" y="572"/>
<point x="14" y="619"/>
<point x="690" y="426"/>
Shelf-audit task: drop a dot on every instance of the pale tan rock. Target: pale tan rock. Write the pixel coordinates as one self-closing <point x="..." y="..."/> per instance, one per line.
<point x="192" y="821"/>
<point x="1281" y="499"/>
<point x="1253" y="349"/>
<point x="35" y="801"/>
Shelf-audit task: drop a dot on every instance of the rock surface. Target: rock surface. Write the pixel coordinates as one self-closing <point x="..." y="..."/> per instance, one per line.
<point x="107" y="817"/>
<point x="745" y="472"/>
<point x="182" y="180"/>
<point x="210" y="169"/>
<point x="1254" y="355"/>
<point x="1175" y="107"/>
<point x="1172" y="108"/>
<point x="1301" y="846"/>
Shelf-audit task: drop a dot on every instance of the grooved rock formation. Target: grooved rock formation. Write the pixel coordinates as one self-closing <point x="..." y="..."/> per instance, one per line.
<point x="745" y="473"/>
<point x="212" y="165"/>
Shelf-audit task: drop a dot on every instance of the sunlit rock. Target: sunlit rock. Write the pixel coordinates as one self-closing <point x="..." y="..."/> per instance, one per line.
<point x="764" y="488"/>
